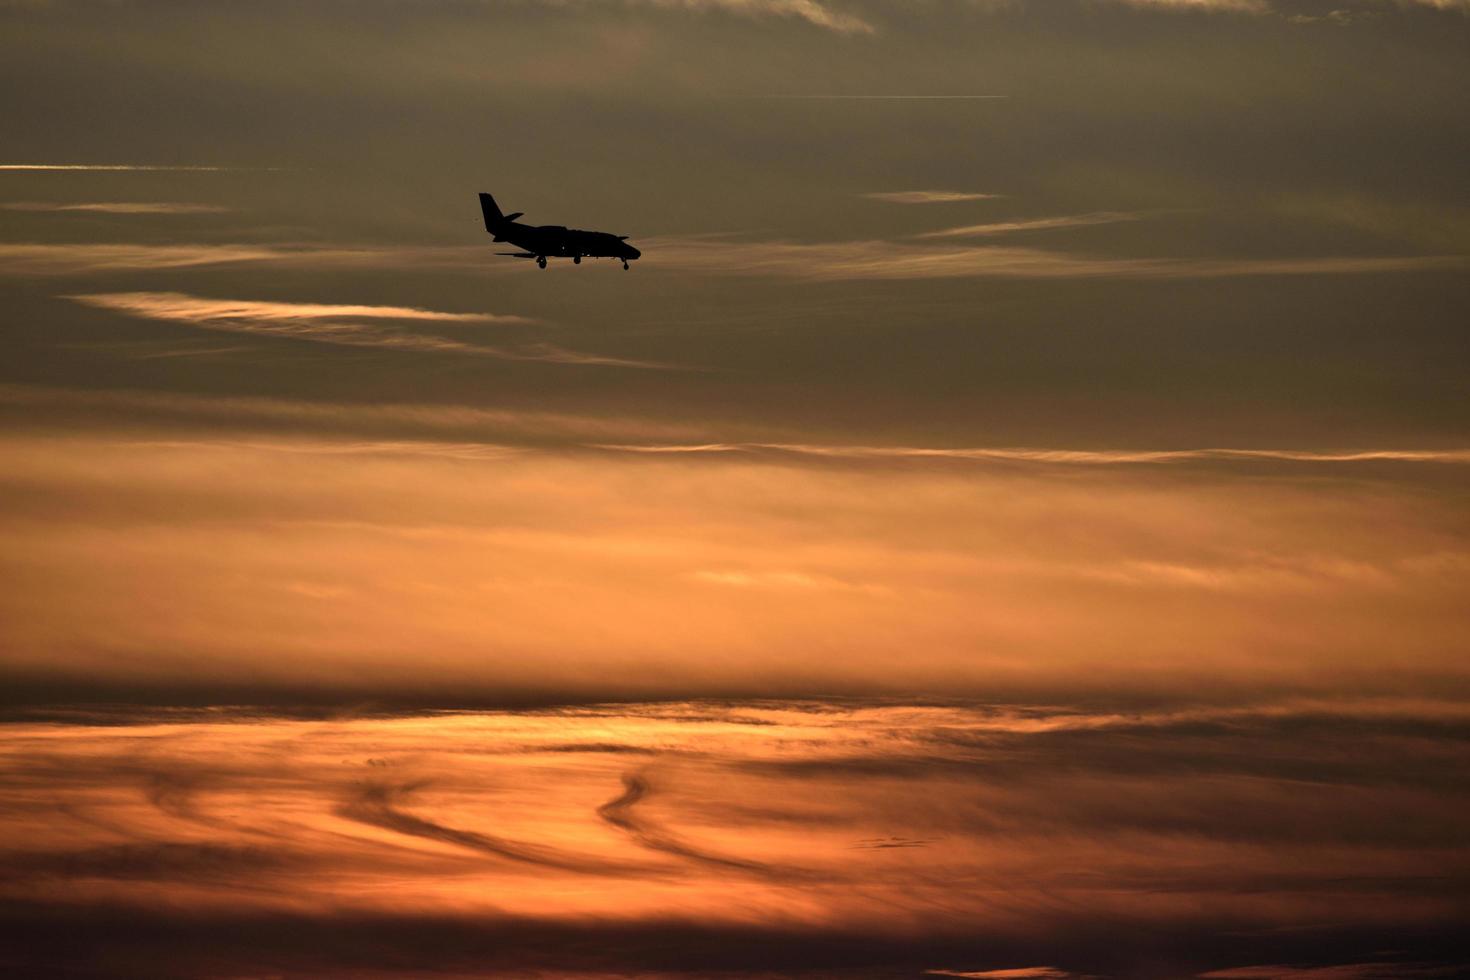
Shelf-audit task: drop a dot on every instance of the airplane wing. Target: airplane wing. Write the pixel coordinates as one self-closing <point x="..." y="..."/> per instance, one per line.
<point x="519" y="255"/>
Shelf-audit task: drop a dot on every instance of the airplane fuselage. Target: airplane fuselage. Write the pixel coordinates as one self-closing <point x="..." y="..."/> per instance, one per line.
<point x="563" y="242"/>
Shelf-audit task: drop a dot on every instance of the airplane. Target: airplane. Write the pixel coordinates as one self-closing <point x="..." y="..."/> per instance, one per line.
<point x="541" y="241"/>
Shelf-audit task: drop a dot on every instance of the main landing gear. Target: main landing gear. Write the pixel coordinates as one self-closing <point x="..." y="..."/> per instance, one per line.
<point x="541" y="261"/>
<point x="576" y="260"/>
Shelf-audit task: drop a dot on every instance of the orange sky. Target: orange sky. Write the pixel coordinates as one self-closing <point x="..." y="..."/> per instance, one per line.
<point x="401" y="569"/>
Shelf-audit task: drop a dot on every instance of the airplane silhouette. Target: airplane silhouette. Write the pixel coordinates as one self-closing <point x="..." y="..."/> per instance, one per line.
<point x="541" y="241"/>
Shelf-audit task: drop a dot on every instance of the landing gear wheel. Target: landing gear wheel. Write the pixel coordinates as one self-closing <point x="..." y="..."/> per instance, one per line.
<point x="541" y="261"/>
<point x="625" y="267"/>
<point x="576" y="260"/>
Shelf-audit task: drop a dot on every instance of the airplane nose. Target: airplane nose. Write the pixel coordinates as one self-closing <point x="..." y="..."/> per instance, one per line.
<point x="633" y="253"/>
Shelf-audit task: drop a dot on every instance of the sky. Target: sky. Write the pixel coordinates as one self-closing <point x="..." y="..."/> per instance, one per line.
<point x="1030" y="454"/>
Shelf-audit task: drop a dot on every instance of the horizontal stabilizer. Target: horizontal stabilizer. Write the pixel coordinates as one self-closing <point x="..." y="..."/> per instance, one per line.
<point x="519" y="255"/>
<point x="513" y="216"/>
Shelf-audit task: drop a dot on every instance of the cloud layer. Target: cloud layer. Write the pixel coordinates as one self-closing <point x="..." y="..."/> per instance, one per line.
<point x="559" y="836"/>
<point x="378" y="563"/>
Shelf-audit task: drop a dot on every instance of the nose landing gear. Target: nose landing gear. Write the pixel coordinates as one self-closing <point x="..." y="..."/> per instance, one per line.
<point x="625" y="265"/>
<point x="541" y="261"/>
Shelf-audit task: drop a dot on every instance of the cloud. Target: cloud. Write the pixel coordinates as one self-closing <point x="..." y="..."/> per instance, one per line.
<point x="179" y="306"/>
<point x="579" y="572"/>
<point x="817" y="13"/>
<point x="345" y="836"/>
<point x="159" y="861"/>
<point x="1067" y="457"/>
<point x="1021" y="973"/>
<point x="778" y="580"/>
<point x="336" y="324"/>
<point x="119" y="167"/>
<point x="469" y="431"/>
<point x="888" y="97"/>
<point x="1340" y="971"/>
<point x="1205" y="6"/>
<point x="812" y="12"/>
<point x="1035" y="224"/>
<point x="879" y="260"/>
<point x="117" y="207"/>
<point x="31" y="259"/>
<point x="1338" y="16"/>
<point x="929" y="197"/>
<point x="624" y="813"/>
<point x="823" y="15"/>
<point x="379" y="805"/>
<point x="421" y="422"/>
<point x="809" y="261"/>
<point x="69" y="259"/>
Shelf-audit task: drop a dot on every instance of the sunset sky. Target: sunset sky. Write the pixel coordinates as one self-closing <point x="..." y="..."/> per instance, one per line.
<point x="1012" y="522"/>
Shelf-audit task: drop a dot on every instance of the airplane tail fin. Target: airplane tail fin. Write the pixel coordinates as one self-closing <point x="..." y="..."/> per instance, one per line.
<point x="492" y="212"/>
<point x="494" y="218"/>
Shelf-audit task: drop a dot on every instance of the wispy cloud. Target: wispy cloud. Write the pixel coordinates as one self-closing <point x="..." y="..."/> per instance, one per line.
<point x="1205" y="6"/>
<point x="887" y="97"/>
<point x="814" y="12"/>
<point x="1338" y="971"/>
<point x="929" y="197"/>
<point x="1066" y="457"/>
<point x="875" y="260"/>
<point x="1036" y="224"/>
<point x="469" y="431"/>
<point x="1022" y="973"/>
<point x="117" y="207"/>
<point x="390" y="423"/>
<point x="35" y="259"/>
<point x="161" y="351"/>
<point x="1341" y="15"/>
<point x="117" y="167"/>
<point x="179" y="306"/>
<point x="77" y="258"/>
<point x="781" y="579"/>
<point x="812" y="261"/>
<point x="818" y="13"/>
<point x="334" y="324"/>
